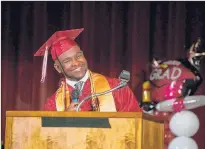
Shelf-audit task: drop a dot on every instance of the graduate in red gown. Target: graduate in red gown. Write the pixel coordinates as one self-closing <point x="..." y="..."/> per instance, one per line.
<point x="70" y="61"/>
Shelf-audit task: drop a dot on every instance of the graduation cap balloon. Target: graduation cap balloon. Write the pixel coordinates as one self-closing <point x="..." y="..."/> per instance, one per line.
<point x="57" y="44"/>
<point x="197" y="53"/>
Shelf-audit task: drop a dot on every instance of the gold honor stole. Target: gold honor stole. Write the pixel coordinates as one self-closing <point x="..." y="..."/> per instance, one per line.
<point x="99" y="84"/>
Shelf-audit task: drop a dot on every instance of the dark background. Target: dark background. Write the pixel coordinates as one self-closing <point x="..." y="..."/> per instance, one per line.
<point x="117" y="36"/>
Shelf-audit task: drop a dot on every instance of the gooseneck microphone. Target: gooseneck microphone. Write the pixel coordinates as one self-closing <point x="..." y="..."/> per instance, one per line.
<point x="124" y="79"/>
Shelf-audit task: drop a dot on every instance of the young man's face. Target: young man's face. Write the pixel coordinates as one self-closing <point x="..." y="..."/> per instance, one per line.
<point x="73" y="63"/>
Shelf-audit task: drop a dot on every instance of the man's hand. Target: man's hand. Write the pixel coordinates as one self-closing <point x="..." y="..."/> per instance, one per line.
<point x="72" y="106"/>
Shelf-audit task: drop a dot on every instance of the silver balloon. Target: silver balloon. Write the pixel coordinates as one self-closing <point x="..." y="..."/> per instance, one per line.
<point x="183" y="143"/>
<point x="190" y="102"/>
<point x="184" y="123"/>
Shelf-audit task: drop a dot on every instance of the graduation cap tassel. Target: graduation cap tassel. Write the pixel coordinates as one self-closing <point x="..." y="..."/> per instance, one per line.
<point x="44" y="67"/>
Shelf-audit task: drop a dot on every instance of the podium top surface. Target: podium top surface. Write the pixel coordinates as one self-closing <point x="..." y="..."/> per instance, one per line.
<point x="84" y="114"/>
<point x="73" y="114"/>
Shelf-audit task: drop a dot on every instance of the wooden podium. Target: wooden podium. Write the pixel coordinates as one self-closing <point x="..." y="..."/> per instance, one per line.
<point x="83" y="130"/>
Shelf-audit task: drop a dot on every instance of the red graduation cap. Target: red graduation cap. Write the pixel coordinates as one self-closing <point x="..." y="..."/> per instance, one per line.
<point x="58" y="43"/>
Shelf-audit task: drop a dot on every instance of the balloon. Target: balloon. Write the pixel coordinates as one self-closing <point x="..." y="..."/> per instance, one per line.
<point x="166" y="115"/>
<point x="156" y="113"/>
<point x="192" y="102"/>
<point x="178" y="105"/>
<point x="189" y="102"/>
<point x="184" y="123"/>
<point x="182" y="143"/>
<point x="166" y="125"/>
<point x="168" y="136"/>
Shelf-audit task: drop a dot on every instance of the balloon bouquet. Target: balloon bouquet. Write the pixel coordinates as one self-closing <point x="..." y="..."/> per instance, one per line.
<point x="169" y="92"/>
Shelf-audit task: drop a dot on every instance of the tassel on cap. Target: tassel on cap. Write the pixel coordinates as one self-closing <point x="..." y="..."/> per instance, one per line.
<point x="44" y="66"/>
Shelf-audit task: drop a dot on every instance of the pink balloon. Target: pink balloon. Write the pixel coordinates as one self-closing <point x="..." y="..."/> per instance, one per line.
<point x="178" y="105"/>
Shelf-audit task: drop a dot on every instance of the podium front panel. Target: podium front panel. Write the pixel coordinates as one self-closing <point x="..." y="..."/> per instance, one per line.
<point x="64" y="133"/>
<point x="82" y="130"/>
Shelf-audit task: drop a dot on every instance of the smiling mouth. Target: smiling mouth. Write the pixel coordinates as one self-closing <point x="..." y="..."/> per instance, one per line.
<point x="78" y="69"/>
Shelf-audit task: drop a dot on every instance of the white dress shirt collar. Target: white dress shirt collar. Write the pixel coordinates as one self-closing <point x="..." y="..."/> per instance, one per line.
<point x="84" y="79"/>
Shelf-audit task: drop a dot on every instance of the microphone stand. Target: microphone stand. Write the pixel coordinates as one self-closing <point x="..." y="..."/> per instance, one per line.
<point x="122" y="84"/>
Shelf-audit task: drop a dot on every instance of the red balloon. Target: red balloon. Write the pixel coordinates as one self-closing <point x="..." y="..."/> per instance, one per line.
<point x="166" y="125"/>
<point x="165" y="146"/>
<point x="168" y="136"/>
<point x="156" y="113"/>
<point x="170" y="116"/>
<point x="166" y="115"/>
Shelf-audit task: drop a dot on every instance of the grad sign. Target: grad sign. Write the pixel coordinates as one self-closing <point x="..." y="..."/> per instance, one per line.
<point x="170" y="74"/>
<point x="174" y="71"/>
<point x="167" y="80"/>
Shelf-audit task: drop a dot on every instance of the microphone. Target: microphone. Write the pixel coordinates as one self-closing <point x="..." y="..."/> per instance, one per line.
<point x="124" y="79"/>
<point x="75" y="95"/>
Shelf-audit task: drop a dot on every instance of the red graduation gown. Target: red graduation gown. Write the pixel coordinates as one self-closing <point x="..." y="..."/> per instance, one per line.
<point x="125" y="100"/>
